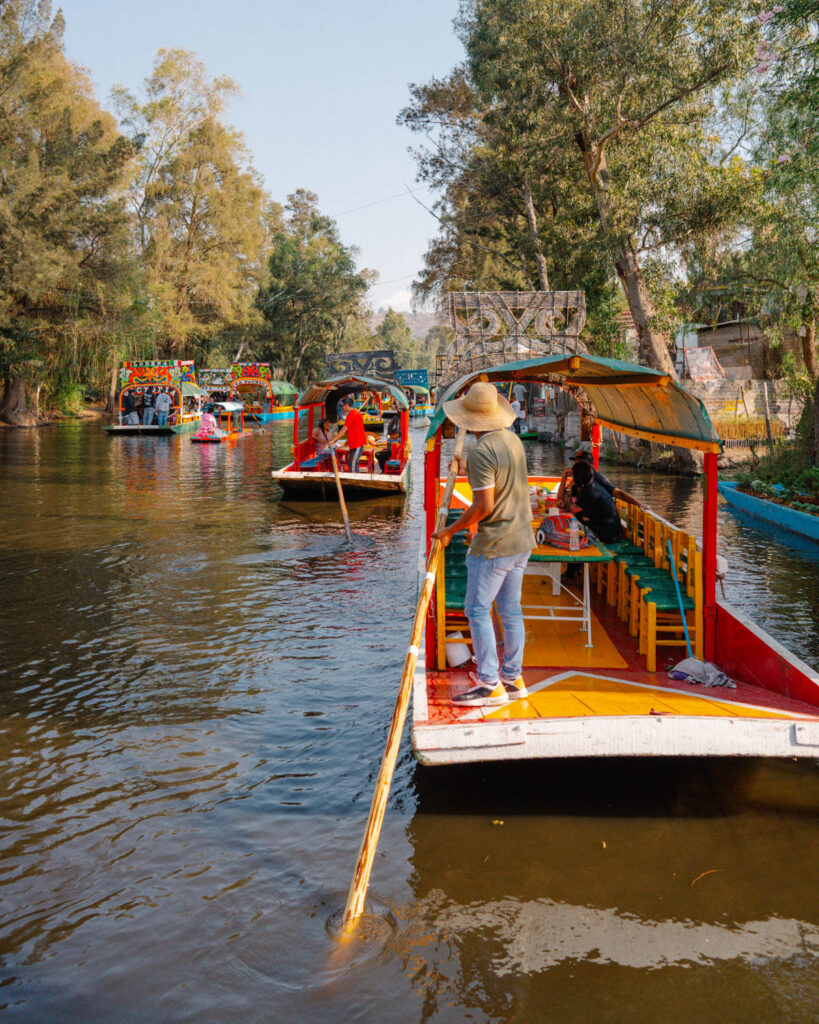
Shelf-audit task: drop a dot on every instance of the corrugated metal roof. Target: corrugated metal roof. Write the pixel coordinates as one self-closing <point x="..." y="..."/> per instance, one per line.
<point x="622" y="396"/>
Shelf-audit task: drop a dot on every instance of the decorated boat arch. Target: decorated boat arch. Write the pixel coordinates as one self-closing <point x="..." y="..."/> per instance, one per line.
<point x="597" y="655"/>
<point x="148" y="379"/>
<point x="263" y="397"/>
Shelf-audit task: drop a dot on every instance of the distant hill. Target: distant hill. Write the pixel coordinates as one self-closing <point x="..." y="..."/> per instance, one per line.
<point x="419" y="323"/>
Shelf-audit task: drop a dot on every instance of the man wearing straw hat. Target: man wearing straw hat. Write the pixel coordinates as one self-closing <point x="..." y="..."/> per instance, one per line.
<point x="497" y="557"/>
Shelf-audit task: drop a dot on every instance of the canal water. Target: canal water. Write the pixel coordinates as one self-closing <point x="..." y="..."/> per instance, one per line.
<point x="196" y="679"/>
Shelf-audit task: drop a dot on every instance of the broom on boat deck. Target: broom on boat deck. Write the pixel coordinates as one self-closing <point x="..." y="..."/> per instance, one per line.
<point x="366" y="854"/>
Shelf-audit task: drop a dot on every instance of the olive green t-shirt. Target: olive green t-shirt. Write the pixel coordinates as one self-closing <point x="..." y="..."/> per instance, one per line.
<point x="498" y="460"/>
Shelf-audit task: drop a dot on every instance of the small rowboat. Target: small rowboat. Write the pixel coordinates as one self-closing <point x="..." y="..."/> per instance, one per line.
<point x="231" y="425"/>
<point x="597" y="655"/>
<point x="310" y="474"/>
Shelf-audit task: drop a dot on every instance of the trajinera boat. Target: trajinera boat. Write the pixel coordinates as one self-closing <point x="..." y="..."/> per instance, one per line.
<point x="176" y="378"/>
<point x="597" y="659"/>
<point x="227" y="424"/>
<point x="310" y="474"/>
<point x="415" y="385"/>
<point x="264" y="399"/>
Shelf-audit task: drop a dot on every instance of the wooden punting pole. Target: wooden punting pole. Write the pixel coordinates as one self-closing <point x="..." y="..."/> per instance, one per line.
<point x="366" y="854"/>
<point x="341" y="500"/>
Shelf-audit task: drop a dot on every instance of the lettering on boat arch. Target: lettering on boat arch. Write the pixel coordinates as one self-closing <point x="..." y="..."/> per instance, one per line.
<point x="412" y="378"/>
<point x="373" y="363"/>
<point x="501" y="327"/>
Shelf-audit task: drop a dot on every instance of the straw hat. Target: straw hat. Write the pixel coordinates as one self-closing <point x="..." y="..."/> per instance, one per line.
<point x="481" y="409"/>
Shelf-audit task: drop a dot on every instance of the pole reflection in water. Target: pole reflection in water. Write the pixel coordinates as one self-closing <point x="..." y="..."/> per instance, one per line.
<point x="195" y="682"/>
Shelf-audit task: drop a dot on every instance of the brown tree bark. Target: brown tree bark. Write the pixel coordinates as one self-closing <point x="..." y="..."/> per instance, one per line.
<point x="13" y="408"/>
<point x="531" y="217"/>
<point x="812" y="364"/>
<point x="110" y="405"/>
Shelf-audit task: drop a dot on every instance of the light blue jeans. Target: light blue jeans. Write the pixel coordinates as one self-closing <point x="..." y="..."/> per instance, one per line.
<point x="496" y="580"/>
<point x="161" y="419"/>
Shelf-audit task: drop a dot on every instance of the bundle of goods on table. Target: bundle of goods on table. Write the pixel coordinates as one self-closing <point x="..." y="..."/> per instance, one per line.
<point x="556" y="529"/>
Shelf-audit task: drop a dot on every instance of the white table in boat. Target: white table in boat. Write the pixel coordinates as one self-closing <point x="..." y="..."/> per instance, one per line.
<point x="545" y="561"/>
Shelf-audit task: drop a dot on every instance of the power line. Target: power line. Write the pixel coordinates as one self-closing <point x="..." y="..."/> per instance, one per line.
<point x="377" y="202"/>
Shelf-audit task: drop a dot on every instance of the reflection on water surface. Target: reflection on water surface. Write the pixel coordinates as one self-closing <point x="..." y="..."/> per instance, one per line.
<point x="196" y="679"/>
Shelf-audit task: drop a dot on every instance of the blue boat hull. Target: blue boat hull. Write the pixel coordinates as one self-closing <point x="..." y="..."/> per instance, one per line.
<point x="782" y="516"/>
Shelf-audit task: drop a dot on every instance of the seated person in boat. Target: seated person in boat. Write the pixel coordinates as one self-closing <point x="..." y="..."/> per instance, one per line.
<point x="566" y="491"/>
<point x="593" y="505"/>
<point x="323" y="436"/>
<point x="497" y="557"/>
<point x="209" y="427"/>
<point x="393" y="434"/>
<point x="354" y="429"/>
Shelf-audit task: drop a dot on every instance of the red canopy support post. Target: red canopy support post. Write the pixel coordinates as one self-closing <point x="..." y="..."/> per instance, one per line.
<point x="310" y="421"/>
<point x="404" y="435"/>
<point x="432" y="458"/>
<point x="709" y="555"/>
<point x="596" y="432"/>
<point x="296" y="457"/>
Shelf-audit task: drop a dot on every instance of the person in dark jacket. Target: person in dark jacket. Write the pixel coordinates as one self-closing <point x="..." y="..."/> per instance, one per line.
<point x="593" y="505"/>
<point x="129" y="408"/>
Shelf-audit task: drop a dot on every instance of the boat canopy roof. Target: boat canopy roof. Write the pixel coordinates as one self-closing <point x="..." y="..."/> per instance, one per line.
<point x="622" y="396"/>
<point x="419" y="389"/>
<point x="191" y="390"/>
<point x="229" y="406"/>
<point x="283" y="387"/>
<point x="346" y="384"/>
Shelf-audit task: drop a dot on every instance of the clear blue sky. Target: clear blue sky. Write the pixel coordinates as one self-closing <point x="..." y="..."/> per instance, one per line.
<point x="322" y="82"/>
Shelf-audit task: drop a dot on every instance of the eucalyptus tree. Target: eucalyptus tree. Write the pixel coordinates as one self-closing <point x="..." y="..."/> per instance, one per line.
<point x="199" y="206"/>
<point x="631" y="86"/>
<point x="66" y="272"/>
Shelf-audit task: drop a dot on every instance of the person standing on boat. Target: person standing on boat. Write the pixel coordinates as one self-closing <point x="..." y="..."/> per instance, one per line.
<point x="497" y="557"/>
<point x="163" y="407"/>
<point x="130" y="409"/>
<point x="147" y="408"/>
<point x="518" y="415"/>
<point x="354" y="429"/>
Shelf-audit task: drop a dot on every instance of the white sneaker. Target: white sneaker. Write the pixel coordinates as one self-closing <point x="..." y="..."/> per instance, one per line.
<point x="515" y="688"/>
<point x="482" y="694"/>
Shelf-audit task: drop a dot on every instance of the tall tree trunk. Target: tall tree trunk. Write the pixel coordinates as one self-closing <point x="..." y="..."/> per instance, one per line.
<point x="13" y="408"/>
<point x="812" y="364"/>
<point x="110" y="405"/>
<point x="531" y="217"/>
<point x="653" y="343"/>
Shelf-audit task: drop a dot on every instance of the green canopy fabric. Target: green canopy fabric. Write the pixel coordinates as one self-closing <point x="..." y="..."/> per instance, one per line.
<point x="622" y="396"/>
<point x="346" y="384"/>
<point x="282" y="387"/>
<point x="191" y="390"/>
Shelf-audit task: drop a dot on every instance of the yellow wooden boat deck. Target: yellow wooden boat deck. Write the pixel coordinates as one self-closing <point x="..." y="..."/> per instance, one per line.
<point x="601" y="700"/>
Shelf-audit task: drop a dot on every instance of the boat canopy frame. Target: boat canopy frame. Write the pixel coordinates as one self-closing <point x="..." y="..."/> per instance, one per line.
<point x="623" y="397"/>
<point x="347" y="384"/>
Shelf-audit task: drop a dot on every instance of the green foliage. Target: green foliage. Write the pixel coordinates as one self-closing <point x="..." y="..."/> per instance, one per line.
<point x="199" y="207"/>
<point x="65" y="260"/>
<point x="313" y="291"/>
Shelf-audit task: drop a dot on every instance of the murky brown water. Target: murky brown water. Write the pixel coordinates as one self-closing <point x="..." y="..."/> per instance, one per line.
<point x="196" y="679"/>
